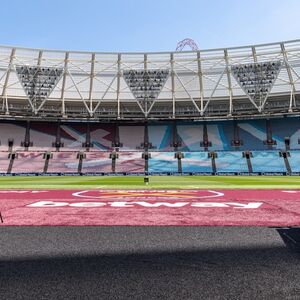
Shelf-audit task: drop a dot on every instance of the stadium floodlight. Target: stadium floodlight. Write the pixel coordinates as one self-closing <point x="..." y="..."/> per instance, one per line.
<point x="38" y="83"/>
<point x="145" y="86"/>
<point x="257" y="79"/>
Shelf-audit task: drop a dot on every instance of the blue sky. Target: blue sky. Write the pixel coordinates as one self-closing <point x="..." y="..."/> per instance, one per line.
<point x="144" y="25"/>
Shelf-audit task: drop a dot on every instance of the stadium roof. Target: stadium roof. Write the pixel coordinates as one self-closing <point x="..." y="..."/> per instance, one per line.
<point x="249" y="80"/>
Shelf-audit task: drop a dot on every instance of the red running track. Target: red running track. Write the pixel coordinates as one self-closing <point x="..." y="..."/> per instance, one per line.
<point x="151" y="207"/>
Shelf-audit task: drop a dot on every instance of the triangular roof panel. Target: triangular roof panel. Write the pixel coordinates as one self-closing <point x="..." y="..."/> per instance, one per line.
<point x="145" y="85"/>
<point x="38" y="82"/>
<point x="257" y="79"/>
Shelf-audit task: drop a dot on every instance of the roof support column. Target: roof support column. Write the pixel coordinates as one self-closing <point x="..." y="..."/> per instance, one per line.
<point x="118" y="85"/>
<point x="39" y="62"/>
<point x="200" y="83"/>
<point x="146" y="101"/>
<point x="63" y="108"/>
<point x="92" y="75"/>
<point x="228" y="72"/>
<point x="291" y="80"/>
<point x="173" y="86"/>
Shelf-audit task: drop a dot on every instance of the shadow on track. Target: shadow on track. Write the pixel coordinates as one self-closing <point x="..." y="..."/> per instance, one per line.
<point x="267" y="272"/>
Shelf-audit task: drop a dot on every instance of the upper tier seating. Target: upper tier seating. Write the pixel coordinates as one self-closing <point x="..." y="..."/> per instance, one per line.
<point x="253" y="134"/>
<point x="14" y="131"/>
<point x="231" y="162"/>
<point x="190" y="136"/>
<point x="267" y="161"/>
<point x="102" y="136"/>
<point x="72" y="136"/>
<point x="226" y="133"/>
<point x="160" y="136"/>
<point x="286" y="127"/>
<point x="29" y="162"/>
<point x="217" y="137"/>
<point x="42" y="136"/>
<point x="163" y="162"/>
<point x="131" y="137"/>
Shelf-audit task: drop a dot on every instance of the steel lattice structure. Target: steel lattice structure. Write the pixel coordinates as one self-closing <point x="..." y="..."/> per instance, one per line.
<point x="257" y="80"/>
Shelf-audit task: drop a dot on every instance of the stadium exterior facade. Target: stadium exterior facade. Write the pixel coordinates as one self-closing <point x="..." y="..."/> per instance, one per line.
<point x="196" y="85"/>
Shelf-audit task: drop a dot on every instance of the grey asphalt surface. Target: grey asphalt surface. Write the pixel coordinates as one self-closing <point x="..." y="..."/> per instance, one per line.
<point x="146" y="263"/>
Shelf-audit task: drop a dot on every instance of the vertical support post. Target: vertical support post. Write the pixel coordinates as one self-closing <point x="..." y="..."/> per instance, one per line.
<point x="205" y="137"/>
<point x="179" y="156"/>
<point x="57" y="140"/>
<point x="291" y="80"/>
<point x="254" y="54"/>
<point x="173" y="86"/>
<point x="146" y="100"/>
<point x="118" y="86"/>
<point x="213" y="156"/>
<point x="256" y="61"/>
<point x="39" y="62"/>
<point x="27" y="135"/>
<point x="146" y="157"/>
<point x="88" y="137"/>
<point x="117" y="142"/>
<point x="146" y="137"/>
<point x="284" y="155"/>
<point x="228" y="72"/>
<point x="113" y="164"/>
<point x="92" y="75"/>
<point x="200" y="82"/>
<point x="247" y="155"/>
<point x="63" y="111"/>
<point x="80" y="162"/>
<point x="175" y="136"/>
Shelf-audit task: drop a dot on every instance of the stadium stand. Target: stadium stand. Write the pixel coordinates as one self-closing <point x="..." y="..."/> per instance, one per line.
<point x="63" y="162"/>
<point x="231" y="162"/>
<point x="130" y="162"/>
<point x="131" y="137"/>
<point x="28" y="162"/>
<point x="42" y="136"/>
<point x="160" y="136"/>
<point x="14" y="133"/>
<point x="190" y="136"/>
<point x="72" y="136"/>
<point x="162" y="162"/>
<point x="294" y="161"/>
<point x="102" y="136"/>
<point x="286" y="132"/>
<point x="4" y="162"/>
<point x="263" y="139"/>
<point x="196" y="162"/>
<point x="267" y="161"/>
<point x="95" y="162"/>
<point x="253" y="134"/>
